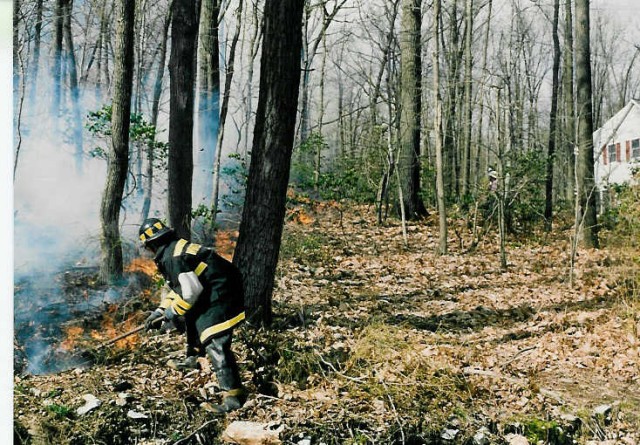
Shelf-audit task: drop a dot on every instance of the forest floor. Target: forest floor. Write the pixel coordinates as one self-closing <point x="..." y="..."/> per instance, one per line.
<point x="375" y="341"/>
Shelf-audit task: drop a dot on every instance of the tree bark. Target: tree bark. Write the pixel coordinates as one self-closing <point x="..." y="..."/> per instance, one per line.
<point x="442" y="210"/>
<point x="586" y="181"/>
<point x="73" y="86"/>
<point x="228" y="78"/>
<point x="208" y="98"/>
<point x="468" y="105"/>
<point x="569" y="102"/>
<point x="111" y="266"/>
<point x="410" y="109"/>
<point x="555" y="74"/>
<point x="57" y="60"/>
<point x="258" y="245"/>
<point x="37" y="38"/>
<point x="155" y="107"/>
<point x="184" y="30"/>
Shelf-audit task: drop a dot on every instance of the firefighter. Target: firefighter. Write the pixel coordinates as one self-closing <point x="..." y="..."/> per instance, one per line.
<point x="206" y="297"/>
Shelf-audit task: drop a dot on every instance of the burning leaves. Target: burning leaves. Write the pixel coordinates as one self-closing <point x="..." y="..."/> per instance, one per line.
<point x="374" y="338"/>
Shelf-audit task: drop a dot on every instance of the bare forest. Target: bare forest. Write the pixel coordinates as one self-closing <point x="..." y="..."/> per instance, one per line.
<point x="408" y="189"/>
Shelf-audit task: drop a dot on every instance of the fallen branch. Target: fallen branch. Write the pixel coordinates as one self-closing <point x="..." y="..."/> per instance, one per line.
<point x="200" y="428"/>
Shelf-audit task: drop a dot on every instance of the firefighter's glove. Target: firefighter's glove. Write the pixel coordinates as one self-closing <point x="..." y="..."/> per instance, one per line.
<point x="174" y="321"/>
<point x="153" y="321"/>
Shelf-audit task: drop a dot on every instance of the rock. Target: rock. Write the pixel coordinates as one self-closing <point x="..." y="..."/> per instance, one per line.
<point x="250" y="433"/>
<point x="481" y="437"/>
<point x="514" y="428"/>
<point x="602" y="414"/>
<point x="571" y="423"/>
<point x="449" y="434"/>
<point x="92" y="402"/>
<point x="131" y="414"/>
<point x="516" y="439"/>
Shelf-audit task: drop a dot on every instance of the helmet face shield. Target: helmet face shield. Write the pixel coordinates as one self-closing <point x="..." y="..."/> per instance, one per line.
<point x="152" y="230"/>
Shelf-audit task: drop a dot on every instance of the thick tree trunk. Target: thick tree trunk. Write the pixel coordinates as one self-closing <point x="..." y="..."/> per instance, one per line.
<point x="258" y="245"/>
<point x="586" y="179"/>
<point x="555" y="74"/>
<point x="111" y="266"/>
<point x="410" y="109"/>
<point x="184" y="29"/>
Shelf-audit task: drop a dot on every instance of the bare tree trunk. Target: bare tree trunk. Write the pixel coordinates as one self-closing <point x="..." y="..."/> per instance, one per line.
<point x="437" y="127"/>
<point x="184" y="28"/>
<point x="73" y="86"/>
<point x="548" y="208"/>
<point x="57" y="60"/>
<point x="586" y="191"/>
<point x="208" y="100"/>
<point x="253" y="52"/>
<point x="111" y="266"/>
<point x="468" y="105"/>
<point x="258" y="245"/>
<point x="225" y="107"/>
<point x="33" y="81"/>
<point x="482" y="154"/>
<point x="569" y="102"/>
<point x="316" y="173"/>
<point x="410" y="108"/>
<point x="155" y="106"/>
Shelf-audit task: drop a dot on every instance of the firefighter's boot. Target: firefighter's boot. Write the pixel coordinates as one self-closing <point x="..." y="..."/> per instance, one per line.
<point x="190" y="362"/>
<point x="226" y="369"/>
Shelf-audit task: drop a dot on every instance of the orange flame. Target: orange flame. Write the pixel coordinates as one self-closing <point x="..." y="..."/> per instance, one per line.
<point x="226" y="243"/>
<point x="144" y="265"/>
<point x="72" y="333"/>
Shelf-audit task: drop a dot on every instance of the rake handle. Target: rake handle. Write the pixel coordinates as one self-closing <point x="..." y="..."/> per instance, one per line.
<point x="126" y="334"/>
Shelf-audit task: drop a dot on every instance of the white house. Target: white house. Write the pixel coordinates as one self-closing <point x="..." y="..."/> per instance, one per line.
<point x="616" y="147"/>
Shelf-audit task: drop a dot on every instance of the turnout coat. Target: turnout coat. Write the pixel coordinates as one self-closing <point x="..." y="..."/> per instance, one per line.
<point x="220" y="305"/>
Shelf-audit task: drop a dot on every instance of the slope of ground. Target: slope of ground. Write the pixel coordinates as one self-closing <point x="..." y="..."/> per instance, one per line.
<point x="377" y="342"/>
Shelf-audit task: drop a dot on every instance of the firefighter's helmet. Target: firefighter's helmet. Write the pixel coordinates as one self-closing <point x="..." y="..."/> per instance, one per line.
<point x="153" y="230"/>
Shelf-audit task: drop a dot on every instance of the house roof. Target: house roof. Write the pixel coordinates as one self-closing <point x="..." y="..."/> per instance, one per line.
<point x="608" y="131"/>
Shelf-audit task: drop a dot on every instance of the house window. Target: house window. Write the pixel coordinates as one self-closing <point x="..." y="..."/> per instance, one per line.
<point x="635" y="149"/>
<point x="611" y="151"/>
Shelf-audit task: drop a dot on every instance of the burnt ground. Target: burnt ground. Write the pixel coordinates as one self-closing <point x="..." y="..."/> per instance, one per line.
<point x="377" y="342"/>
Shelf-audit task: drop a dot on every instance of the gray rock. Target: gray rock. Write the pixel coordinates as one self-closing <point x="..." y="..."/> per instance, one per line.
<point x="449" y="434"/>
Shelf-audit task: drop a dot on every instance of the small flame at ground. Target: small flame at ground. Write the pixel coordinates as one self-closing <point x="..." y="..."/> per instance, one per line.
<point x="144" y="265"/>
<point x="226" y="243"/>
<point x="72" y="334"/>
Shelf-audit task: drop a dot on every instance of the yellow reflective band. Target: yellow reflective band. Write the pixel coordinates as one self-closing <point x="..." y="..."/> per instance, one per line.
<point x="149" y="231"/>
<point x="168" y="299"/>
<point x="142" y="237"/>
<point x="193" y="249"/>
<point x="201" y="267"/>
<point x="179" y="246"/>
<point x="158" y="225"/>
<point x="213" y="330"/>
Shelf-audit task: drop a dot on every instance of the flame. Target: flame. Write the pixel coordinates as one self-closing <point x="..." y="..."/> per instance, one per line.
<point x="226" y="243"/>
<point x="109" y="330"/>
<point x="72" y="333"/>
<point x="144" y="265"/>
<point x="300" y="216"/>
